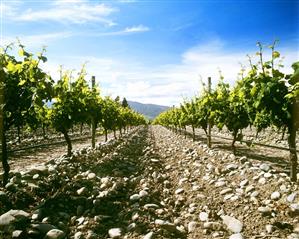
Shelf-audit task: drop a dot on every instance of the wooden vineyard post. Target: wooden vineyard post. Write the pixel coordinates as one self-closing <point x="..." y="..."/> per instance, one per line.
<point x="4" y="157"/>
<point x="93" y="125"/>
<point x="209" y="123"/>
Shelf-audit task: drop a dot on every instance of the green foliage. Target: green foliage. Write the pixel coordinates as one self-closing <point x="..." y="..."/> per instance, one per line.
<point x="27" y="87"/>
<point x="263" y="97"/>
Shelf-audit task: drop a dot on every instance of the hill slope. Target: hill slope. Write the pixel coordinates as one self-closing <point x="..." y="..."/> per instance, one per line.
<point x="149" y="110"/>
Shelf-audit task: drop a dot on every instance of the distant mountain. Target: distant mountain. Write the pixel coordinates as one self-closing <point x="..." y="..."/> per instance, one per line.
<point x="148" y="110"/>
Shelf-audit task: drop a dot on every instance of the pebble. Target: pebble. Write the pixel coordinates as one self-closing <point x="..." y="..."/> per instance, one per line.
<point x="231" y="167"/>
<point x="228" y="196"/>
<point x="225" y="191"/>
<point x="244" y="183"/>
<point x="114" y="232"/>
<point x="291" y="197"/>
<point x="192" y="226"/>
<point x="55" y="234"/>
<point x="236" y="236"/>
<point x="91" y="235"/>
<point x="203" y="216"/>
<point x="11" y="216"/>
<point x="91" y="175"/>
<point x="78" y="235"/>
<point x="232" y="224"/>
<point x="143" y="193"/>
<point x="135" y="197"/>
<point x="269" y="228"/>
<point x="275" y="195"/>
<point x="249" y="189"/>
<point x="262" y="181"/>
<point x="265" y="167"/>
<point x="17" y="234"/>
<point x="82" y="190"/>
<point x="264" y="210"/>
<point x="220" y="184"/>
<point x="254" y="194"/>
<point x="179" y="191"/>
<point x="149" y="235"/>
<point x="267" y="175"/>
<point x="150" y="205"/>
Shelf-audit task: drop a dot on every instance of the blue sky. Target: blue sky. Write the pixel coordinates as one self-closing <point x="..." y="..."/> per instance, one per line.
<point x="152" y="51"/>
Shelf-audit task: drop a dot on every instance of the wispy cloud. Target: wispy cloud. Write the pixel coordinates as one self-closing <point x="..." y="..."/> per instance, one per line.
<point x="182" y="26"/>
<point x="75" y="12"/>
<point x="126" y="31"/>
<point x="127" y="1"/>
<point x="37" y="40"/>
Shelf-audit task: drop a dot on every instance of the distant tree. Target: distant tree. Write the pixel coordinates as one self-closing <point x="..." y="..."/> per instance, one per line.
<point x="124" y="103"/>
<point x="117" y="99"/>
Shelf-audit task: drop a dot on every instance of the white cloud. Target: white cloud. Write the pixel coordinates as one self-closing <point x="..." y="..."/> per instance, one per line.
<point x="127" y="1"/>
<point x="77" y="12"/>
<point x="166" y="84"/>
<point x="9" y="8"/>
<point x="139" y="28"/>
<point x="126" y="31"/>
<point x="38" y="40"/>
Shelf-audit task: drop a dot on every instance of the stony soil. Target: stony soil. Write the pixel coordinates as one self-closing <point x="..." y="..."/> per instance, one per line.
<point x="152" y="183"/>
<point x="29" y="158"/>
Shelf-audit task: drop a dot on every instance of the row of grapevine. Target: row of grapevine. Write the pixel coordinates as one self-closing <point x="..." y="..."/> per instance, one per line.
<point x="26" y="91"/>
<point x="262" y="97"/>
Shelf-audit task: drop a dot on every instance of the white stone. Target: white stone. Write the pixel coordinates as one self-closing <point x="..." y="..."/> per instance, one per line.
<point x="275" y="195"/>
<point x="295" y="207"/>
<point x="150" y="205"/>
<point x="180" y="190"/>
<point x="78" y="235"/>
<point x="254" y="194"/>
<point x="232" y="224"/>
<point x="264" y="210"/>
<point x="11" y="215"/>
<point x="203" y="216"/>
<point x="135" y="197"/>
<point x="91" y="175"/>
<point x="228" y="196"/>
<point x="149" y="235"/>
<point x="192" y="226"/>
<point x="55" y="234"/>
<point x="81" y="190"/>
<point x="249" y="189"/>
<point x="225" y="191"/>
<point x="262" y="181"/>
<point x="269" y="228"/>
<point x="114" y="232"/>
<point x="231" y="167"/>
<point x="236" y="236"/>
<point x="143" y="193"/>
<point x="220" y="184"/>
<point x="291" y="197"/>
<point x="244" y="183"/>
<point x="268" y="175"/>
<point x="234" y="198"/>
<point x="265" y="167"/>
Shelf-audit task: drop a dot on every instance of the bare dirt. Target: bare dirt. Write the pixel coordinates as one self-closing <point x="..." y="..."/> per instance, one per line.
<point x="24" y="159"/>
